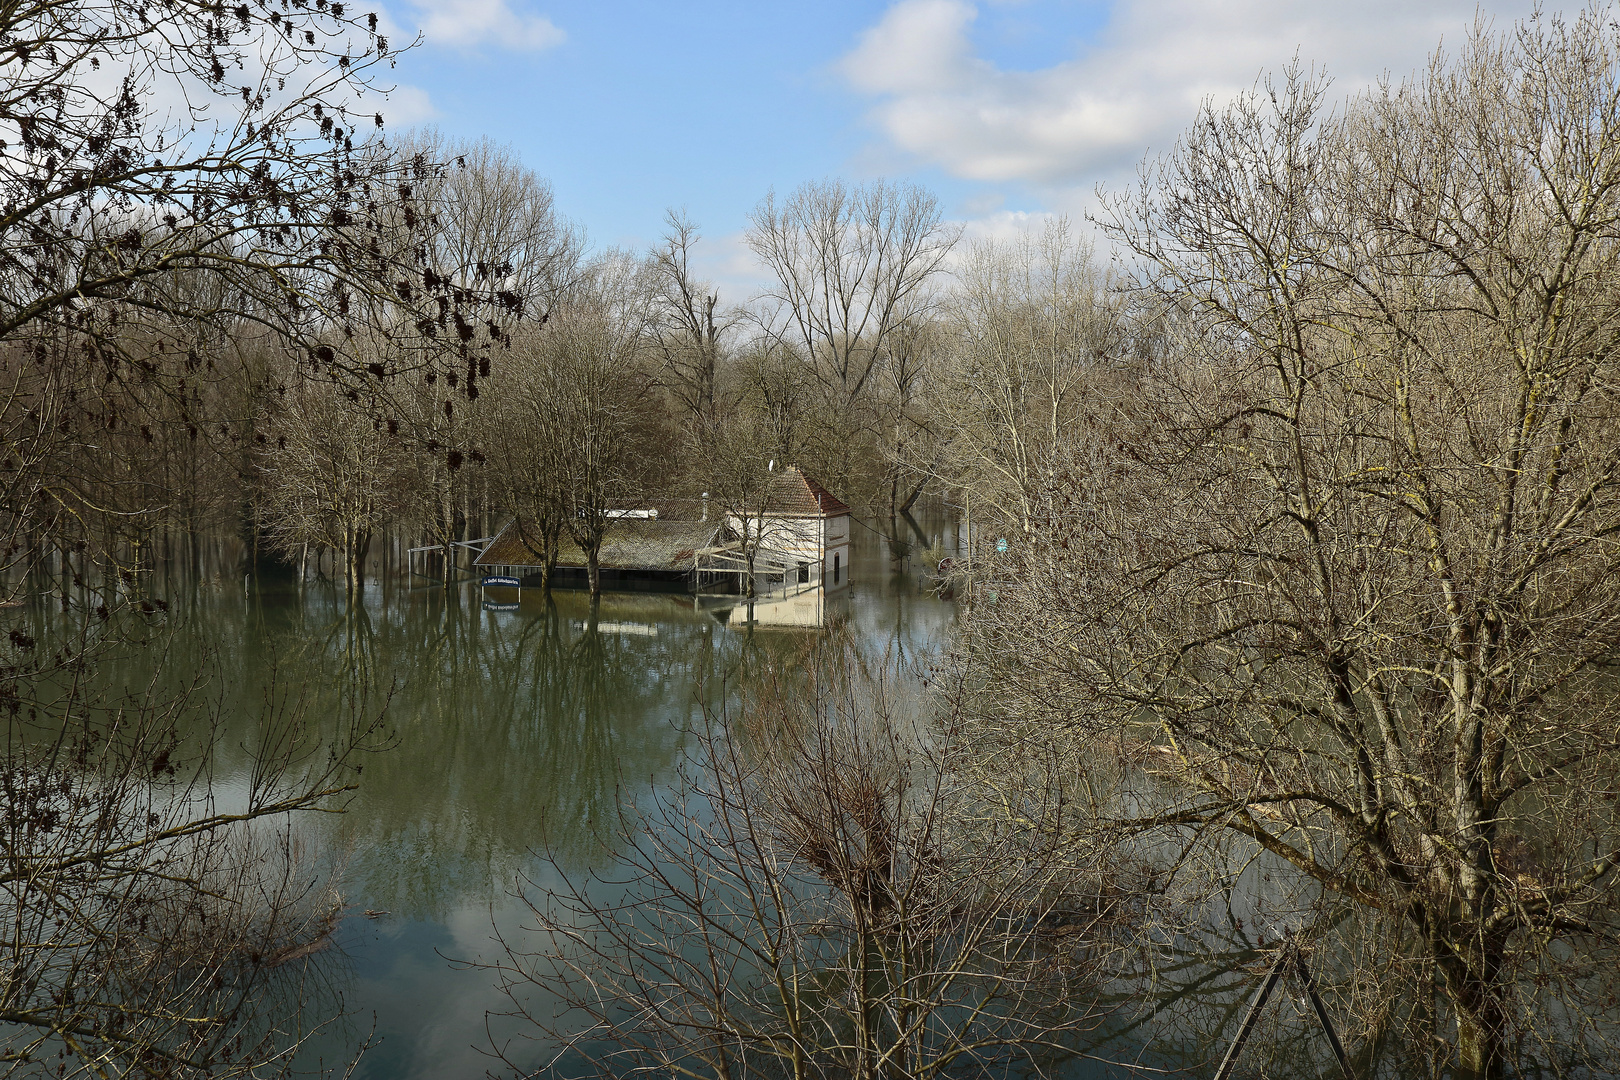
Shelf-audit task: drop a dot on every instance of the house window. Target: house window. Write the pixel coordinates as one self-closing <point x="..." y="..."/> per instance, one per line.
<point x="835" y="568"/>
<point x="804" y="572"/>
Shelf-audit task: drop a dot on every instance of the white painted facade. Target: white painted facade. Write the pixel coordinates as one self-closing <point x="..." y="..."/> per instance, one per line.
<point x="817" y="548"/>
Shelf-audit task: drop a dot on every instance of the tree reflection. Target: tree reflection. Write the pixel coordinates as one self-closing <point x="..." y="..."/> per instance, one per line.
<point x="515" y="729"/>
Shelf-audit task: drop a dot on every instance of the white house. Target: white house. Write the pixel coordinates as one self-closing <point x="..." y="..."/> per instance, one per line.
<point x="800" y="536"/>
<point x="805" y="526"/>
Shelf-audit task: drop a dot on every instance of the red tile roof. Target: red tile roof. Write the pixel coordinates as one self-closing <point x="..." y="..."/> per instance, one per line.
<point x="796" y="495"/>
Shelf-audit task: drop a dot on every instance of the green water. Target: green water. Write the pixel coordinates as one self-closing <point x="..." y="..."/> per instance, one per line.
<point x="519" y="728"/>
<point x="518" y="725"/>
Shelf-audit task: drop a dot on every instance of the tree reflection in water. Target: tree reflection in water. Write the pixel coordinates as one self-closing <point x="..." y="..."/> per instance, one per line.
<point x="513" y="730"/>
<point x="529" y="729"/>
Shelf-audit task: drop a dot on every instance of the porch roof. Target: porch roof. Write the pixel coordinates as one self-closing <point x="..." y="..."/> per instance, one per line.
<point x="630" y="544"/>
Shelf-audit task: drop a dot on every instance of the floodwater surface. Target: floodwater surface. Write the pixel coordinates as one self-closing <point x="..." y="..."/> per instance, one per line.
<point x="520" y="726"/>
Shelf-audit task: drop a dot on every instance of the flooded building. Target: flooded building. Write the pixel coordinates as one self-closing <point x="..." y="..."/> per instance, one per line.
<point x="798" y="535"/>
<point x="648" y="550"/>
<point x="796" y="538"/>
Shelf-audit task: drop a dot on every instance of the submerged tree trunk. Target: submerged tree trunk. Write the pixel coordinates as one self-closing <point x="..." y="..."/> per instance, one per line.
<point x="360" y="549"/>
<point x="548" y="539"/>
<point x="1473" y="975"/>
<point x="348" y="561"/>
<point x="916" y="492"/>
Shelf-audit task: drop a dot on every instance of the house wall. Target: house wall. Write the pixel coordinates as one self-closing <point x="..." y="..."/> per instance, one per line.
<point x="820" y="542"/>
<point x="835" y="554"/>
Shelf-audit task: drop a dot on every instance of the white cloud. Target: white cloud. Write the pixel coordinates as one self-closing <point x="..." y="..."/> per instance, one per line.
<point x="727" y="263"/>
<point x="469" y="23"/>
<point x="403" y="107"/>
<point x="1096" y="115"/>
<point x="1004" y="225"/>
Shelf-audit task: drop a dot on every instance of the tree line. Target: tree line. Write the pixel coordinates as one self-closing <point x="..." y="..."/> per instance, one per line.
<point x="417" y="342"/>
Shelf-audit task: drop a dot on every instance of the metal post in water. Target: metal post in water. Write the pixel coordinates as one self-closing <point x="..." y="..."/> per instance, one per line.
<point x="1288" y="952"/>
<point x="1252" y="1016"/>
<point x="1309" y="984"/>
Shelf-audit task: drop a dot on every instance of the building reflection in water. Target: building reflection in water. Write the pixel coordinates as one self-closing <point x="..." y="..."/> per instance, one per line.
<point x="801" y="610"/>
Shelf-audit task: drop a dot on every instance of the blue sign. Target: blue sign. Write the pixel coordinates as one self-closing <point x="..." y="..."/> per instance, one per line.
<point x="490" y="605"/>
<point x="510" y="582"/>
<point x="1001" y="544"/>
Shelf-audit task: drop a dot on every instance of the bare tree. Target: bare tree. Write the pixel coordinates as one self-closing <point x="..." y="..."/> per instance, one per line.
<point x="1031" y="329"/>
<point x="507" y="260"/>
<point x="330" y="478"/>
<point x="527" y="441"/>
<point x="768" y="388"/>
<point x="686" y="323"/>
<point x="1345" y="584"/>
<point x="156" y="924"/>
<point x="811" y="902"/>
<point x="606" y="453"/>
<point x="492" y="225"/>
<point x="146" y="150"/>
<point x="851" y="267"/>
<point x="853" y="270"/>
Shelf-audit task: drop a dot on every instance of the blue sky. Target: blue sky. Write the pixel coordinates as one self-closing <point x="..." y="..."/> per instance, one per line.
<point x="1009" y="110"/>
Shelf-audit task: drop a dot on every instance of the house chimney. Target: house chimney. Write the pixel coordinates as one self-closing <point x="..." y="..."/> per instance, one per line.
<point x="705" y="516"/>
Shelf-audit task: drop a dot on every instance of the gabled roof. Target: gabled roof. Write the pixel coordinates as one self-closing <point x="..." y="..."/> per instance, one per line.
<point x="794" y="494"/>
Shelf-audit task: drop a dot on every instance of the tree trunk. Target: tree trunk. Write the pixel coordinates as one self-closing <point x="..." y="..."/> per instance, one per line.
<point x="362" y="548"/>
<point x="447" y="526"/>
<point x="594" y="569"/>
<point x="911" y="500"/>
<point x="1479" y="1050"/>
<point x="551" y="541"/>
<point x="348" y="562"/>
<point x="1473" y="983"/>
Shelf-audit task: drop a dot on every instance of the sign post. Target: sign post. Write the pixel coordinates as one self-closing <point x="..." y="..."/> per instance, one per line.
<point x="504" y="581"/>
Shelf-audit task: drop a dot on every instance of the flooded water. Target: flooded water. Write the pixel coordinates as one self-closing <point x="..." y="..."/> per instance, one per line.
<point x="521" y="725"/>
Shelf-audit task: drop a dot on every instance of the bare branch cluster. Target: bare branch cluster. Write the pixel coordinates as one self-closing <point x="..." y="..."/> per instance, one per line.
<point x="1342" y="585"/>
<point x="157" y="925"/>
<point x="813" y="901"/>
